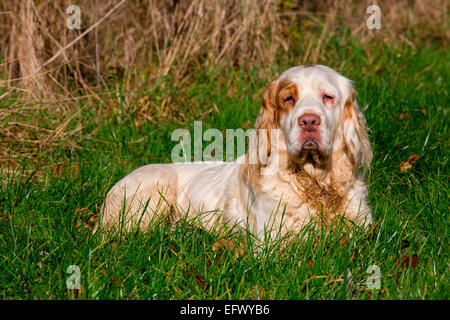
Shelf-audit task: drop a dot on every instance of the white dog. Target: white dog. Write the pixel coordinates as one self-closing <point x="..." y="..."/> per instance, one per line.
<point x="305" y="168"/>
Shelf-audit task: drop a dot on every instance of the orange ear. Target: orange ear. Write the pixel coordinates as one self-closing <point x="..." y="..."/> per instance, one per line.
<point x="355" y="133"/>
<point x="267" y="119"/>
<point x="259" y="151"/>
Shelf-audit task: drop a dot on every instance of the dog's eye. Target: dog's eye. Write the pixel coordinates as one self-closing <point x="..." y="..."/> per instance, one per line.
<point x="327" y="98"/>
<point x="289" y="100"/>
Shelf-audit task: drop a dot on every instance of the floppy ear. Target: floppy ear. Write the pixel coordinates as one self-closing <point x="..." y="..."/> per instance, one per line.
<point x="355" y="133"/>
<point x="267" y="120"/>
<point x="260" y="146"/>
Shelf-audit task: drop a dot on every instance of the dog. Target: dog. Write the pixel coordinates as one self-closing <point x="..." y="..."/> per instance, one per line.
<point x="310" y="142"/>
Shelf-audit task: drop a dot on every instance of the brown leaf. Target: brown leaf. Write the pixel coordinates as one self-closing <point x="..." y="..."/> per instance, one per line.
<point x="404" y="166"/>
<point x="407" y="261"/>
<point x="85" y="219"/>
<point x="413" y="158"/>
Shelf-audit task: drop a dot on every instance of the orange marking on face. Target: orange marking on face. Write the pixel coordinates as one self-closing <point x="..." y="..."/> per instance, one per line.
<point x="287" y="96"/>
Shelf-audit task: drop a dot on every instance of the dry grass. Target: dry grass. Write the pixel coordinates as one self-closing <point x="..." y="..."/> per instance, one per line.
<point x="159" y="36"/>
<point x="142" y="40"/>
<point x="181" y="35"/>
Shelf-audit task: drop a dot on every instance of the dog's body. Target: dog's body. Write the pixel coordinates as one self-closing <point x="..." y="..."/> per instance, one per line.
<point x="305" y="168"/>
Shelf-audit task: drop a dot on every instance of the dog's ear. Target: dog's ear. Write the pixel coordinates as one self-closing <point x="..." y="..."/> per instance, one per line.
<point x="260" y="146"/>
<point x="268" y="119"/>
<point x="355" y="133"/>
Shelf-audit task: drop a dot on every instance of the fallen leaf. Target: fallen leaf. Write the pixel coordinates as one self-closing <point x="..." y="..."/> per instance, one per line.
<point x="85" y="219"/>
<point x="407" y="261"/>
<point x="404" y="166"/>
<point x="413" y="158"/>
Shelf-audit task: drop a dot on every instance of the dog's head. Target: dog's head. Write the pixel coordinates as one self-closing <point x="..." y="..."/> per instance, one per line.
<point x="314" y="108"/>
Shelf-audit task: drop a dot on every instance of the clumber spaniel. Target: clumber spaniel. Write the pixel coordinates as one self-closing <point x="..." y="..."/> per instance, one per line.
<point x="310" y="140"/>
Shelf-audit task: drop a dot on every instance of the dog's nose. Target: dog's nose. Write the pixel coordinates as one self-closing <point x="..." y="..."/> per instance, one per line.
<point x="309" y="122"/>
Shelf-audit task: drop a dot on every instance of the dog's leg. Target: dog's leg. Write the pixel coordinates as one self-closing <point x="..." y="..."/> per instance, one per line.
<point x="140" y="198"/>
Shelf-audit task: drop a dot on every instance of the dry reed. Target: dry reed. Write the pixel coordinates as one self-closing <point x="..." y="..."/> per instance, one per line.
<point x="175" y="38"/>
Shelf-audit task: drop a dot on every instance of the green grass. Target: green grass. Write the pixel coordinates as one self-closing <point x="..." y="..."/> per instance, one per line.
<point x="39" y="237"/>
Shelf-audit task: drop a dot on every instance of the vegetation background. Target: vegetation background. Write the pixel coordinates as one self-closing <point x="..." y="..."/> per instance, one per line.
<point x="76" y="117"/>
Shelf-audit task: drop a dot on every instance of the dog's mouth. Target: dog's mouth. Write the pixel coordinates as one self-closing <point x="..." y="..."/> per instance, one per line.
<point x="310" y="152"/>
<point x="309" y="144"/>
